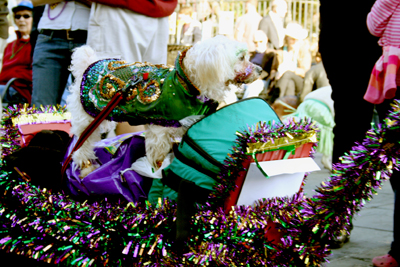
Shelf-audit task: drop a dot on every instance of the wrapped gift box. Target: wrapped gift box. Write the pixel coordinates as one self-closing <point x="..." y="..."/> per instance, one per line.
<point x="30" y="122"/>
<point x="284" y="179"/>
<point x="276" y="158"/>
<point x="21" y="123"/>
<point x="27" y="131"/>
<point x="300" y="152"/>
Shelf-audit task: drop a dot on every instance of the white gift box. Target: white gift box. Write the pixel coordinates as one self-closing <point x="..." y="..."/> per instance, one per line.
<point x="284" y="179"/>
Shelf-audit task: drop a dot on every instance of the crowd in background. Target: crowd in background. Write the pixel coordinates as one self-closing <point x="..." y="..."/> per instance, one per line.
<point x="36" y="59"/>
<point x="283" y="52"/>
<point x="282" y="49"/>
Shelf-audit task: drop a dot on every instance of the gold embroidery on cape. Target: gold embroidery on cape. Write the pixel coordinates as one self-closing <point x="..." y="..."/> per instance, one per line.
<point x="110" y="88"/>
<point x="111" y="65"/>
<point x="148" y="99"/>
<point x="132" y="94"/>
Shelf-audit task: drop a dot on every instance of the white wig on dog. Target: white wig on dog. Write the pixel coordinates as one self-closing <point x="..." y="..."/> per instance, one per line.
<point x="210" y="64"/>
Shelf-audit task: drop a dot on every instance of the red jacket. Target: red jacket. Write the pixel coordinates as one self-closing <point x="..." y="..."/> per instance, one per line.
<point x="20" y="66"/>
<point x="150" y="8"/>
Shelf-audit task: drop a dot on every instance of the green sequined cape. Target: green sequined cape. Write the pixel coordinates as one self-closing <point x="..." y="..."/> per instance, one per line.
<point x="163" y="95"/>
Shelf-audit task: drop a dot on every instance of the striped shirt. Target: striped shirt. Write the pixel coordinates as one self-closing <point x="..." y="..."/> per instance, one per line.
<point x="384" y="21"/>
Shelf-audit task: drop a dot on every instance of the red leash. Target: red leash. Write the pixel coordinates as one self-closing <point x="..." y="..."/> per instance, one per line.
<point x="92" y="126"/>
<point x="119" y="95"/>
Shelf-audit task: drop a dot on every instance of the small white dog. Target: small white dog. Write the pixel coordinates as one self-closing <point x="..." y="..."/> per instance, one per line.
<point x="165" y="98"/>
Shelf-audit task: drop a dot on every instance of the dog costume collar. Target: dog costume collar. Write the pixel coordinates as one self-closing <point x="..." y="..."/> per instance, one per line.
<point x="181" y="73"/>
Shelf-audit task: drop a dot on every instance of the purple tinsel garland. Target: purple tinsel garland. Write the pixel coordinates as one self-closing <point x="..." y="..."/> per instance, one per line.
<point x="55" y="228"/>
<point x="10" y="134"/>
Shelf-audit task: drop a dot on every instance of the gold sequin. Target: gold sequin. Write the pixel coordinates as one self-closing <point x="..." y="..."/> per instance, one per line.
<point x="148" y="99"/>
<point x="137" y="64"/>
<point x="132" y="94"/>
<point x="110" y="88"/>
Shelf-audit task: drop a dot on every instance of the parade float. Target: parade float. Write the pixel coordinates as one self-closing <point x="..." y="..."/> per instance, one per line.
<point x="291" y="230"/>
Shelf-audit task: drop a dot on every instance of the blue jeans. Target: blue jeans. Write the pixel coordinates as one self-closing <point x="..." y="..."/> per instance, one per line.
<point x="66" y="92"/>
<point x="51" y="59"/>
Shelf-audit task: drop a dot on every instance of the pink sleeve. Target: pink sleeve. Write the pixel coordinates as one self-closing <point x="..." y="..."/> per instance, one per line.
<point x="379" y="16"/>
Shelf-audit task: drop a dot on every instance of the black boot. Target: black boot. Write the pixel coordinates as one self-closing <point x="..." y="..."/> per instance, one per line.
<point x="342" y="238"/>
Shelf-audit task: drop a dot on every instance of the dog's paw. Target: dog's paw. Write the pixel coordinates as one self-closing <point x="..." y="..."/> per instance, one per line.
<point x="87" y="170"/>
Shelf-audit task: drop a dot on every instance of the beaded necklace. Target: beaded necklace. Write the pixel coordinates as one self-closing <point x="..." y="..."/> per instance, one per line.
<point x="52" y="6"/>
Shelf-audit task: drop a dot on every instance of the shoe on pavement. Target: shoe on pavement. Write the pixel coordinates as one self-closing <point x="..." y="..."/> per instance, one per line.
<point x="385" y="261"/>
<point x="339" y="240"/>
<point x="327" y="162"/>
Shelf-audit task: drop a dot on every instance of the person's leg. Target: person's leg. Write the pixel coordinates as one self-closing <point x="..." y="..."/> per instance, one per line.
<point x="353" y="114"/>
<point x="395" y="246"/>
<point x="282" y="85"/>
<point x="2" y="88"/>
<point x="102" y="35"/>
<point x="156" y="51"/>
<point x="66" y="92"/>
<point x="290" y="87"/>
<point x="395" y="182"/>
<point x="290" y="84"/>
<point x="392" y="259"/>
<point x="383" y="110"/>
<point x="298" y="82"/>
<point x="51" y="59"/>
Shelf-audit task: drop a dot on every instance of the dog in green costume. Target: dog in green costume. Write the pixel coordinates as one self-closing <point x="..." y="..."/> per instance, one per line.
<point x="168" y="99"/>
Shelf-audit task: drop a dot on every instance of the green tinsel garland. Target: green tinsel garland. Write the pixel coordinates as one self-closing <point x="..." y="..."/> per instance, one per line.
<point x="54" y="228"/>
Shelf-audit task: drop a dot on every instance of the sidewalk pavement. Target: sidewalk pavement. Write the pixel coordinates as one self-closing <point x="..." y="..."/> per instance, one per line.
<point x="373" y="225"/>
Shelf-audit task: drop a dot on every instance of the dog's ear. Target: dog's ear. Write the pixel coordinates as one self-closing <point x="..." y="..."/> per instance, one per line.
<point x="210" y="63"/>
<point x="215" y="65"/>
<point x="81" y="58"/>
